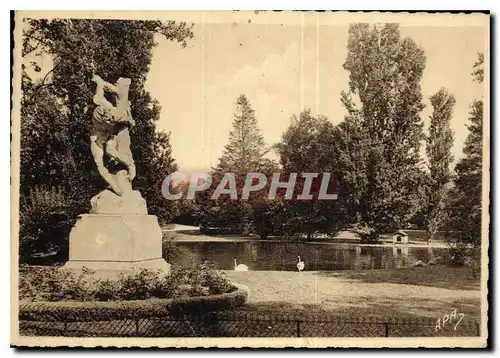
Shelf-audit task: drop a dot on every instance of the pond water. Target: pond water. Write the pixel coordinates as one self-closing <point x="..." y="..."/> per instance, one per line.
<point x="283" y="256"/>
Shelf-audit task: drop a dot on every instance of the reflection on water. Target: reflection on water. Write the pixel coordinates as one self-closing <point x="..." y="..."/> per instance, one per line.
<point x="281" y="256"/>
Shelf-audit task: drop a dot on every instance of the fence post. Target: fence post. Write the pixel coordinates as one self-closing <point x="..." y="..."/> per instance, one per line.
<point x="137" y="327"/>
<point x="386" y="330"/>
<point x="298" y="328"/>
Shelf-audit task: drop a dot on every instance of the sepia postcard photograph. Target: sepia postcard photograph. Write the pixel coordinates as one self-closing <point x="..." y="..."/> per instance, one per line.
<point x="260" y="179"/>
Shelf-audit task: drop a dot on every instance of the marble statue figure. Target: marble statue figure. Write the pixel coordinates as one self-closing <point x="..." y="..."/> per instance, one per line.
<point x="110" y="132"/>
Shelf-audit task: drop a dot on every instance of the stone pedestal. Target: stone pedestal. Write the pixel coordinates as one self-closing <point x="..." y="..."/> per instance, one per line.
<point x="112" y="244"/>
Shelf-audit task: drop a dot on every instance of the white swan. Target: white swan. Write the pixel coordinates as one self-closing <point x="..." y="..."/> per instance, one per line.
<point x="240" y="267"/>
<point x="300" y="265"/>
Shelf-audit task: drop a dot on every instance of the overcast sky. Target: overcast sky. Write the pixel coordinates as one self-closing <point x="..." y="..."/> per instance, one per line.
<point x="282" y="69"/>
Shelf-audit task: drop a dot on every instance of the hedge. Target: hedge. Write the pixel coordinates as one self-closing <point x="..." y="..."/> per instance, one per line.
<point x="72" y="311"/>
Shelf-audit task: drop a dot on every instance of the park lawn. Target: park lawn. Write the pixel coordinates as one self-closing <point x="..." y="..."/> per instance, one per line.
<point x="414" y="292"/>
<point x="440" y="276"/>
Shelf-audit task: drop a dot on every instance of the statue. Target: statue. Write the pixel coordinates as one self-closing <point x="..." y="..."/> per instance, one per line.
<point x="110" y="146"/>
<point x="110" y="131"/>
<point x="117" y="235"/>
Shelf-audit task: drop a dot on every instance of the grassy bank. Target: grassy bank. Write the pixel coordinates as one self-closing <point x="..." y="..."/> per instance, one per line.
<point x="439" y="276"/>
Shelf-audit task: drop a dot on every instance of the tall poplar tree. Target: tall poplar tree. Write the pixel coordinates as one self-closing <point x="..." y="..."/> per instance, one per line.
<point x="438" y="149"/>
<point x="383" y="126"/>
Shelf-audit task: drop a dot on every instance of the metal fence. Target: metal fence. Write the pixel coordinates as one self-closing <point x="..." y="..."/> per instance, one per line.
<point x="230" y="323"/>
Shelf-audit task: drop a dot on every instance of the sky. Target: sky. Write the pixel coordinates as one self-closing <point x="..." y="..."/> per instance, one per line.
<point x="284" y="68"/>
<point x="285" y="63"/>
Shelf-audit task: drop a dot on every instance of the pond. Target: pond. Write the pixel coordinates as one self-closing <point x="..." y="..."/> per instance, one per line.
<point x="283" y="256"/>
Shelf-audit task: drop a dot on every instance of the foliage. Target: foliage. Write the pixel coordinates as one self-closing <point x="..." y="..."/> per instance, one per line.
<point x="464" y="206"/>
<point x="45" y="221"/>
<point x="463" y="227"/>
<point x="309" y="146"/>
<point x="53" y="284"/>
<point x="50" y="284"/>
<point x="244" y="153"/>
<point x="380" y="137"/>
<point x="478" y="73"/>
<point x="56" y="109"/>
<point x="189" y="210"/>
<point x="439" y="145"/>
<point x="265" y="218"/>
<point x="225" y="214"/>
<point x="245" y="149"/>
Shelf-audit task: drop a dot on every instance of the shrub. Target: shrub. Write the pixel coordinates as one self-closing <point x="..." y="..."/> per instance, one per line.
<point x="214" y="281"/>
<point x="49" y="284"/>
<point x="107" y="290"/>
<point x="43" y="284"/>
<point x="138" y="286"/>
<point x="52" y="284"/>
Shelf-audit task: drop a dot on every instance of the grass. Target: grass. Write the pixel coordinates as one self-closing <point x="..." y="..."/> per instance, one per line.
<point x="415" y="292"/>
<point x="440" y="276"/>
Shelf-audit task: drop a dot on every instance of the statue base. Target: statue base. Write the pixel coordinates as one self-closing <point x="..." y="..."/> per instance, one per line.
<point x="114" y="244"/>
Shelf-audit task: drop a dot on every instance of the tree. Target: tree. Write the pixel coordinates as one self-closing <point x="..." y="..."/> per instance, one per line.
<point x="246" y="148"/>
<point x="307" y="143"/>
<point x="464" y="207"/>
<point x="46" y="210"/>
<point x="478" y="73"/>
<point x="244" y="153"/>
<point x="79" y="48"/>
<point x="153" y="156"/>
<point x="308" y="146"/>
<point x="438" y="149"/>
<point x="384" y="129"/>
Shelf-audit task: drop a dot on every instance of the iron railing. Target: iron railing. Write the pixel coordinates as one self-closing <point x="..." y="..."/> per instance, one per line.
<point x="228" y="323"/>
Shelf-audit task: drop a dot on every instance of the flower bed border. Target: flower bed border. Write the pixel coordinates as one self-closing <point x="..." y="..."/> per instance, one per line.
<point x="74" y="311"/>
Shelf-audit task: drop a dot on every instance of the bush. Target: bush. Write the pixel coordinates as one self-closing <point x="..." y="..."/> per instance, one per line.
<point x="53" y="284"/>
<point x="45" y="221"/>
